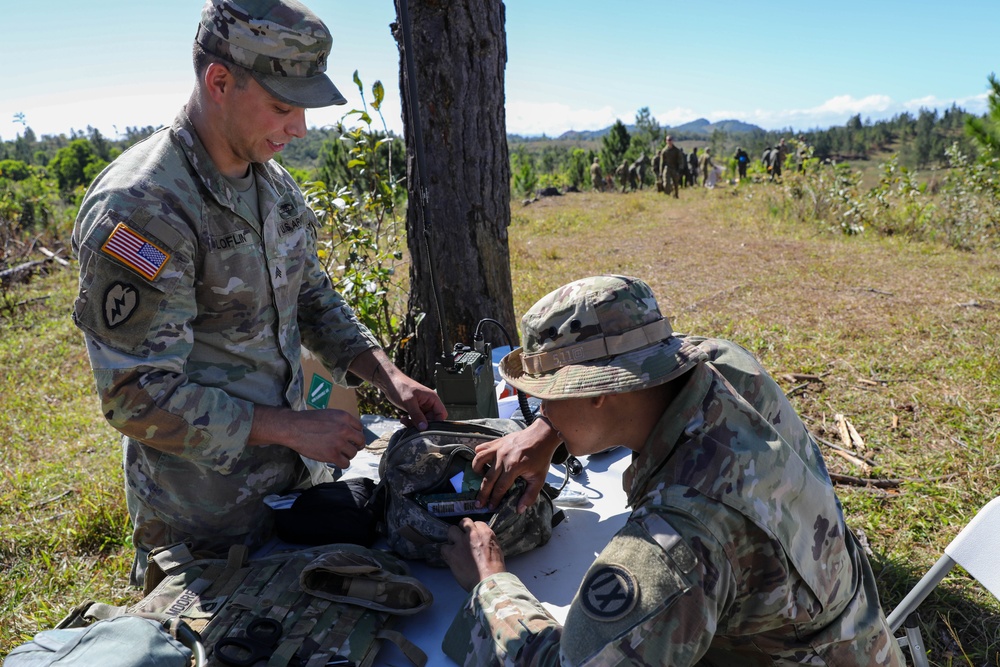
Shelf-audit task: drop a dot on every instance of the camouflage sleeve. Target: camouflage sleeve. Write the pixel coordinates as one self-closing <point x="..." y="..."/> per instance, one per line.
<point x="138" y="336"/>
<point x="654" y="596"/>
<point x="498" y="620"/>
<point x="329" y="326"/>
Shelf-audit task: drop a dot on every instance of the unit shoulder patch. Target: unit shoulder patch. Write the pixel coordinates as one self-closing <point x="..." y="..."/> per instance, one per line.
<point x="609" y="593"/>
<point x="120" y="301"/>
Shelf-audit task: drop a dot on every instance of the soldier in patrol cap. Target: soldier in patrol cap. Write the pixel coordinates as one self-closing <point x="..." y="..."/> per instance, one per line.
<point x="200" y="282"/>
<point x="735" y="552"/>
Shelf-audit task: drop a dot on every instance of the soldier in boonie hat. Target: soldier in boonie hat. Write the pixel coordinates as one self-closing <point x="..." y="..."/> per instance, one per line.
<point x="724" y="483"/>
<point x="598" y="335"/>
<point x="282" y="43"/>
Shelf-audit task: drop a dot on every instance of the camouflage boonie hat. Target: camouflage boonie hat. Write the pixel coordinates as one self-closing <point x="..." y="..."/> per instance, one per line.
<point x="598" y="335"/>
<point x="283" y="44"/>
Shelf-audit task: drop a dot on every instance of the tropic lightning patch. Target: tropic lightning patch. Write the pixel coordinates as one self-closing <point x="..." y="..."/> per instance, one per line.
<point x="120" y="301"/>
<point x="135" y="251"/>
<point x="609" y="593"/>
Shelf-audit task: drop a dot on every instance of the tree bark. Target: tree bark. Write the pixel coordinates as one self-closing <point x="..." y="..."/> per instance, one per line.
<point x="459" y="53"/>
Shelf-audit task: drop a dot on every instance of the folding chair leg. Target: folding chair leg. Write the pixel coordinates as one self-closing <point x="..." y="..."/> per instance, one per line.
<point x="914" y="641"/>
<point x="919" y="592"/>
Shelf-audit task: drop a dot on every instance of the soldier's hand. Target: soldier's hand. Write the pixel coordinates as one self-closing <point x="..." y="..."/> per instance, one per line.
<point x="472" y="552"/>
<point x="524" y="454"/>
<point x="420" y="403"/>
<point x="328" y="436"/>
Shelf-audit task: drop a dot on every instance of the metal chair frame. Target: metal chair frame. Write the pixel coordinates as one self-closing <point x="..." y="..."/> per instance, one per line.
<point x="976" y="549"/>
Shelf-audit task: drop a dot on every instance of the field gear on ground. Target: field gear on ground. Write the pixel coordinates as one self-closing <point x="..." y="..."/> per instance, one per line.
<point x="293" y="609"/>
<point x="430" y="485"/>
<point x="118" y="641"/>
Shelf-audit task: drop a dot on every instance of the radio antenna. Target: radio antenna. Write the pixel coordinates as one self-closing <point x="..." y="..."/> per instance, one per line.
<point x="420" y="169"/>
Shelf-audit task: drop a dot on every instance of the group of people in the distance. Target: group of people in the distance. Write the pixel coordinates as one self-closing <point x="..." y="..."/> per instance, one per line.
<point x="674" y="169"/>
<point x="200" y="282"/>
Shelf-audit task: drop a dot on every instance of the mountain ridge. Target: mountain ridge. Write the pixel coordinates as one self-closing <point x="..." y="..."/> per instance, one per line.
<point x="699" y="126"/>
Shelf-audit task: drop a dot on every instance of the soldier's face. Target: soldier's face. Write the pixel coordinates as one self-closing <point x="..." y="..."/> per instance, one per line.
<point x="258" y="126"/>
<point x="582" y="426"/>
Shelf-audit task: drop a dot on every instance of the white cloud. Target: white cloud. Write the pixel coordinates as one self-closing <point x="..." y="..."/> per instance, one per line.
<point x="110" y="110"/>
<point x="553" y="118"/>
<point x="834" y="111"/>
<point x="976" y="104"/>
<point x="676" y="116"/>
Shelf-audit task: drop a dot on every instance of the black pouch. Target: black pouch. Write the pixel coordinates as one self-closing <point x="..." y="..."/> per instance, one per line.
<point x="345" y="511"/>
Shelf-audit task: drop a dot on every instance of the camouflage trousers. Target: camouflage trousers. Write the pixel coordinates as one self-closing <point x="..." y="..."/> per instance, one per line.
<point x="671" y="182"/>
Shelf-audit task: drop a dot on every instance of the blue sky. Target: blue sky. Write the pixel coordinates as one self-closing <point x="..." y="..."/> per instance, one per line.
<point x="572" y="64"/>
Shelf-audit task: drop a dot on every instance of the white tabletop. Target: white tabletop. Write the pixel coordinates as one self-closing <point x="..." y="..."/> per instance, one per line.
<point x="552" y="572"/>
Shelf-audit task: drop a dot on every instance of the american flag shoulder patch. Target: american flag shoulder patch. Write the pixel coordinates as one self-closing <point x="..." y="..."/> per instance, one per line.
<point x="135" y="251"/>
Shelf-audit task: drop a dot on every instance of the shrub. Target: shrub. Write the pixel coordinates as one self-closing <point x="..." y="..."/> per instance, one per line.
<point x="361" y="237"/>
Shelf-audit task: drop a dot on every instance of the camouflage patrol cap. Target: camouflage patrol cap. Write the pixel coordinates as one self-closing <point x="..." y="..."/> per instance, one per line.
<point x="283" y="44"/>
<point x="599" y="335"/>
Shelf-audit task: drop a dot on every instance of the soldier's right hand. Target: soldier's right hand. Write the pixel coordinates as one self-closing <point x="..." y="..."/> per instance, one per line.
<point x="524" y="454"/>
<point x="327" y="436"/>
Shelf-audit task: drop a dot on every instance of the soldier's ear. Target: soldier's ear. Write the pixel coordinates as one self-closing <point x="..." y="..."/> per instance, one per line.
<point x="217" y="80"/>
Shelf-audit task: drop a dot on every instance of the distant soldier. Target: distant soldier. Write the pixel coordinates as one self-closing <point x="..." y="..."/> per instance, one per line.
<point x="778" y="159"/>
<point x="633" y="176"/>
<point x="656" y="171"/>
<point x="672" y="159"/>
<point x="765" y="159"/>
<point x="801" y="154"/>
<point x="640" y="169"/>
<point x="706" y="166"/>
<point x="596" y="176"/>
<point x="621" y="173"/>
<point x="693" y="168"/>
<point x="742" y="160"/>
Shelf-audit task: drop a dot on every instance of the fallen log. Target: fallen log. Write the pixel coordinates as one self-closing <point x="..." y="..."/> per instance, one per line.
<point x="21" y="272"/>
<point x="865" y="481"/>
<point x="54" y="257"/>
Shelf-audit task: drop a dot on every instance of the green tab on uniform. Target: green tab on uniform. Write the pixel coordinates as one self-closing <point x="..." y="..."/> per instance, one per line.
<point x="319" y="392"/>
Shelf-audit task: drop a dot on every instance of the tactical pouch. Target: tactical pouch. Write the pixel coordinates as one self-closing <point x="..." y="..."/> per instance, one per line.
<point x="220" y="598"/>
<point x="329" y="605"/>
<point x="429" y="485"/>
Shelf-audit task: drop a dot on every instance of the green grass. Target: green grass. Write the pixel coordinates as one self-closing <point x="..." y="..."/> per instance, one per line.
<point x="887" y="324"/>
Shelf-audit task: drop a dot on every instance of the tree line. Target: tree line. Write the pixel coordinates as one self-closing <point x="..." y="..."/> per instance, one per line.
<point x="43" y="178"/>
<point x="920" y="141"/>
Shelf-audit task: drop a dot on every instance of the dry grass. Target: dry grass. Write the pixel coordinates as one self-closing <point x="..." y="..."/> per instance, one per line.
<point x="904" y="337"/>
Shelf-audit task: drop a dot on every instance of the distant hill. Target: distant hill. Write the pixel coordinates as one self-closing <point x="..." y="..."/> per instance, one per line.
<point x="700" y="127"/>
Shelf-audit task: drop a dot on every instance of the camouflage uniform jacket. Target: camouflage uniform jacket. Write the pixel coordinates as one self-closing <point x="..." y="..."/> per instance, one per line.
<point x="672" y="158"/>
<point x="192" y="314"/>
<point x="736" y="551"/>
